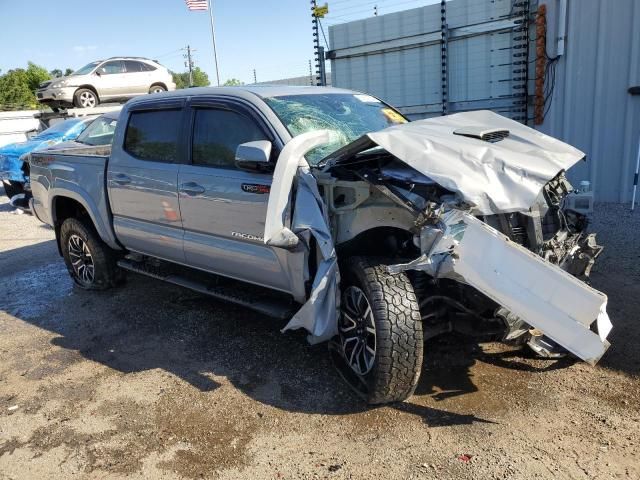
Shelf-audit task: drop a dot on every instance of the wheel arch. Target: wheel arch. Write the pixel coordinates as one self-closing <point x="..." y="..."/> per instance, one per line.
<point x="160" y="84"/>
<point x="88" y="87"/>
<point x="380" y="241"/>
<point x="71" y="204"/>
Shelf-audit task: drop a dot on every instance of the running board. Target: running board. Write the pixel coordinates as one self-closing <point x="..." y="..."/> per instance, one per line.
<point x="268" y="302"/>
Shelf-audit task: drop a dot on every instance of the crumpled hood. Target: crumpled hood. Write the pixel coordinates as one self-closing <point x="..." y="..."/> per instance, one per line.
<point x="505" y="176"/>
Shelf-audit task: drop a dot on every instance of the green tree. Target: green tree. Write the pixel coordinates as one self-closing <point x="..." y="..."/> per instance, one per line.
<point x="232" y="82"/>
<point x="179" y="80"/>
<point x="36" y="75"/>
<point x="68" y="72"/>
<point x="14" y="90"/>
<point x="200" y="79"/>
<point x="55" y="73"/>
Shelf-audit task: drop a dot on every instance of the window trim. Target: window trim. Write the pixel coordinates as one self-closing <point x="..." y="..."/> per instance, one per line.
<point x="236" y="106"/>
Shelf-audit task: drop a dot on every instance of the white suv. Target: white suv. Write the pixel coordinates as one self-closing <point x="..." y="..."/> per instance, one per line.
<point x="113" y="79"/>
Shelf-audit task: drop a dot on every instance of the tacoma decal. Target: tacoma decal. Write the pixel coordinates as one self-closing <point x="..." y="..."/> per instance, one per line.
<point x="247" y="236"/>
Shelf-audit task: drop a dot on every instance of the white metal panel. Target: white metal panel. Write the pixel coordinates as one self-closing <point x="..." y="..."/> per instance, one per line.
<point x="591" y="107"/>
<point x="397" y="57"/>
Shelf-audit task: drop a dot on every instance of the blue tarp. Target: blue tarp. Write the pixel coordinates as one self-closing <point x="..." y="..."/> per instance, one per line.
<point x="10" y="164"/>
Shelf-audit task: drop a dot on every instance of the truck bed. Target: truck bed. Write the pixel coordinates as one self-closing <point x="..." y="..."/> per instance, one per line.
<point x="76" y="173"/>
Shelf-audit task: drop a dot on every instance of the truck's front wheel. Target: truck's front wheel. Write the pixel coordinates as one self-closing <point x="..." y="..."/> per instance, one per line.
<point x="380" y="331"/>
<point x="91" y="263"/>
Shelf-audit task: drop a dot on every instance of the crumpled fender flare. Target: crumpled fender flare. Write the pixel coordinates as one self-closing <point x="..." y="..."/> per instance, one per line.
<point x="276" y="234"/>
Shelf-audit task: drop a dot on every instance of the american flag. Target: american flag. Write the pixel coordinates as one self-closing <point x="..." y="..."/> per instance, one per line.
<point x="196" y="4"/>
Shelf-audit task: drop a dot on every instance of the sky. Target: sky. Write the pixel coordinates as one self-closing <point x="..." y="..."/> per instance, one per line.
<point x="271" y="36"/>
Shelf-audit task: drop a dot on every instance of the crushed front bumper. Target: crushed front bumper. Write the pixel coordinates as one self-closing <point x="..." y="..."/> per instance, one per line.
<point x="546" y="297"/>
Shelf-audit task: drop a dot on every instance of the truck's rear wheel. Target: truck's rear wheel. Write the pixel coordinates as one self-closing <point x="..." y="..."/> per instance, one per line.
<point x="380" y="331"/>
<point x="91" y="263"/>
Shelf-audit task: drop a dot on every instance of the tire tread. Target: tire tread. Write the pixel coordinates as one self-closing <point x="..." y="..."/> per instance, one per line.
<point x="399" y="337"/>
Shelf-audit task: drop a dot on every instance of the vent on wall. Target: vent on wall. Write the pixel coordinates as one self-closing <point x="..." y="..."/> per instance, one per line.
<point x="490" y="135"/>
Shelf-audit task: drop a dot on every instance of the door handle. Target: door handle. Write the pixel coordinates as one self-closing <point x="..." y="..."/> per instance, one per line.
<point x="121" y="179"/>
<point x="191" y="188"/>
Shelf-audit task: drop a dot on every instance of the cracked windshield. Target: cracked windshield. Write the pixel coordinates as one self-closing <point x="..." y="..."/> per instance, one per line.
<point x="348" y="115"/>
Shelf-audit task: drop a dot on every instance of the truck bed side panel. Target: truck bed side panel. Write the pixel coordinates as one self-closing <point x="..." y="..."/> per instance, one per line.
<point x="78" y="177"/>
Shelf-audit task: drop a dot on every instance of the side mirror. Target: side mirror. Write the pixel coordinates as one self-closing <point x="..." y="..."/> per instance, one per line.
<point x="99" y="72"/>
<point x="254" y="156"/>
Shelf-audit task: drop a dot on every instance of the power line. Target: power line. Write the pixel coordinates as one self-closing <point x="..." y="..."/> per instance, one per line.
<point x="168" y="53"/>
<point x="323" y="35"/>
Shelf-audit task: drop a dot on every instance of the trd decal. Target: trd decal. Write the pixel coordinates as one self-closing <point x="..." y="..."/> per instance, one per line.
<point x="255" y="188"/>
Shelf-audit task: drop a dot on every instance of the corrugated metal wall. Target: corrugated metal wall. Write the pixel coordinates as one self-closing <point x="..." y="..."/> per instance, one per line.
<point x="397" y="57"/>
<point x="591" y="107"/>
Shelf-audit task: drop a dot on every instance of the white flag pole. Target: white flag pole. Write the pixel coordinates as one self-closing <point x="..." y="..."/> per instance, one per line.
<point x="213" y="39"/>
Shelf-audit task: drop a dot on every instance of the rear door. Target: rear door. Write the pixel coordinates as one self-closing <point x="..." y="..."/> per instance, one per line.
<point x="142" y="179"/>
<point x="137" y="78"/>
<point x="224" y="208"/>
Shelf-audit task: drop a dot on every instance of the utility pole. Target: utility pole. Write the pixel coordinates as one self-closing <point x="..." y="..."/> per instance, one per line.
<point x="255" y="78"/>
<point x="311" y="80"/>
<point x="444" y="61"/>
<point x="316" y="13"/>
<point x="189" y="64"/>
<point x="375" y="10"/>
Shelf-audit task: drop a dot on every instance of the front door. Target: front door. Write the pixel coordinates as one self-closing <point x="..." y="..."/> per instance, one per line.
<point x="224" y="208"/>
<point x="142" y="179"/>
<point x="111" y="80"/>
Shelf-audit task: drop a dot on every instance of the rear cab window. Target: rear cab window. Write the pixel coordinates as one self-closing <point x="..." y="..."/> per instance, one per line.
<point x="153" y="135"/>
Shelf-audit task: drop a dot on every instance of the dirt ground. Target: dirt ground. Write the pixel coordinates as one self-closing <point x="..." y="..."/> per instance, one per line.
<point x="153" y="381"/>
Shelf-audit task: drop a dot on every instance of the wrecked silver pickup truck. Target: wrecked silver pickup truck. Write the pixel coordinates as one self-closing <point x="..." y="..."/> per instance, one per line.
<point x="327" y="208"/>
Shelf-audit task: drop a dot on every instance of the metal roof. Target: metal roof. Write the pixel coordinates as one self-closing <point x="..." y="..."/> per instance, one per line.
<point x="246" y="92"/>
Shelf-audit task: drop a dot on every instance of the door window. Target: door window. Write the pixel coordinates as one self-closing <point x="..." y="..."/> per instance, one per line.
<point x="133" y="66"/>
<point x="217" y="134"/>
<point x="109" y="68"/>
<point x="153" y="135"/>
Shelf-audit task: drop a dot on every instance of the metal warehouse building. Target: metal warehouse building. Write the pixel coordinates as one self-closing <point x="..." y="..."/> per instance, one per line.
<point x="473" y="54"/>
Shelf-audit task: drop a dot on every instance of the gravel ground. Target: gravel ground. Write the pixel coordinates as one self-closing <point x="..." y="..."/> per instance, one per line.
<point x="153" y="381"/>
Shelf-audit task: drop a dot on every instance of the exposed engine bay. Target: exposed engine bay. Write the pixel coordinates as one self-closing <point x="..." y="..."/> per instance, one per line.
<point x="556" y="234"/>
<point x="477" y="217"/>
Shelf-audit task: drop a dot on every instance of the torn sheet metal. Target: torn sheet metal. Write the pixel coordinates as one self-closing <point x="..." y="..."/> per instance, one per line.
<point x="500" y="177"/>
<point x="542" y="294"/>
<point x="276" y="234"/>
<point x="318" y="315"/>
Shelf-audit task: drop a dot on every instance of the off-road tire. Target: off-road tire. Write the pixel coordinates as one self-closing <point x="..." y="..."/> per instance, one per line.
<point x="157" y="89"/>
<point x="12" y="188"/>
<point x="399" y="339"/>
<point x="107" y="274"/>
<point x="78" y="101"/>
